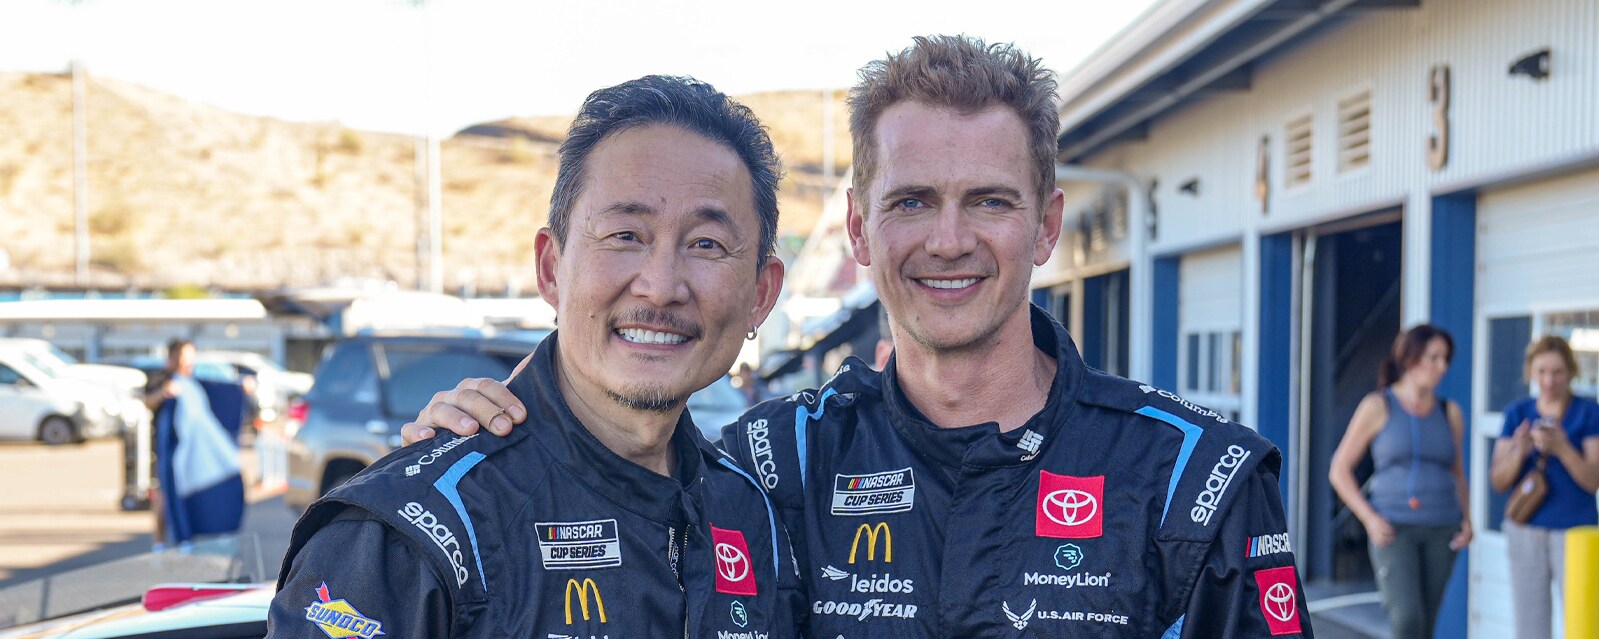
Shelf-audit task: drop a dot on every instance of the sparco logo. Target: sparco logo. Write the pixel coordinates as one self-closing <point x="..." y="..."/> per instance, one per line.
<point x="1221" y="476"/>
<point x="761" y="452"/>
<point x="1201" y="410"/>
<point x="440" y="534"/>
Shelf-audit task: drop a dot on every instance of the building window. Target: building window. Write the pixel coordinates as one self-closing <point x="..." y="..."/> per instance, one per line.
<point x="1211" y="364"/>
<point x="1354" y="132"/>
<point x="1298" y="138"/>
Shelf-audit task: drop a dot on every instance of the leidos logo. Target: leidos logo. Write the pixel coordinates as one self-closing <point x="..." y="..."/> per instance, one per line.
<point x="872" y="532"/>
<point x="1221" y="476"/>
<point x="338" y="619"/>
<point x="734" y="571"/>
<point x="1069" y="507"/>
<point x="583" y="588"/>
<point x="1278" y="602"/>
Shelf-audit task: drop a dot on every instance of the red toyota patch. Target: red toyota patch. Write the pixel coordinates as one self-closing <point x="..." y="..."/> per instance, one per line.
<point x="1070" y="507"/>
<point x="735" y="572"/>
<point x="1279" y="599"/>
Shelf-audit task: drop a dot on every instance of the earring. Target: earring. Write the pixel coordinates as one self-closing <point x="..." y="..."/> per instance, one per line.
<point x="750" y="335"/>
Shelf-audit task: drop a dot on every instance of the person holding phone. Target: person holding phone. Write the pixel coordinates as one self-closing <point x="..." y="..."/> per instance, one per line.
<point x="1555" y="433"/>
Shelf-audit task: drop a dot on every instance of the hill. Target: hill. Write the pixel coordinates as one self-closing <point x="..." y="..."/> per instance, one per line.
<point x="187" y="194"/>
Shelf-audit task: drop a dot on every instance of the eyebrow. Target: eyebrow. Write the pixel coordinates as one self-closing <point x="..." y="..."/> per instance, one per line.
<point x="639" y="209"/>
<point x="924" y="192"/>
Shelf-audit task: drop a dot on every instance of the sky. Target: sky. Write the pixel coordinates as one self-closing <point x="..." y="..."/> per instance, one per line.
<point x="391" y="65"/>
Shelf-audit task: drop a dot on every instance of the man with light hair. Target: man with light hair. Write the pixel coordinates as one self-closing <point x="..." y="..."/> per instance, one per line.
<point x="987" y="483"/>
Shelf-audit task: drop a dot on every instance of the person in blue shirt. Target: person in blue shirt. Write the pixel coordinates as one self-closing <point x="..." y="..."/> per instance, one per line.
<point x="1415" y="516"/>
<point x="1560" y="432"/>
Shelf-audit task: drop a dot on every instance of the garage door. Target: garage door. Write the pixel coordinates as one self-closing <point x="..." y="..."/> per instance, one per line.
<point x="1209" y="320"/>
<point x="1537" y="256"/>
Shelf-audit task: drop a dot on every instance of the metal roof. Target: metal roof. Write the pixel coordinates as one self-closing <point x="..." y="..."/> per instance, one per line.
<point x="1179" y="50"/>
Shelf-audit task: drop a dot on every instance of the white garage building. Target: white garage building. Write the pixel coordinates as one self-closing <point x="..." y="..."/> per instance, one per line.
<point x="1262" y="193"/>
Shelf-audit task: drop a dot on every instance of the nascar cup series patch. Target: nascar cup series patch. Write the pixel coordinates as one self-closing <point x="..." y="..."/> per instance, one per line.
<point x="892" y="491"/>
<point x="577" y="545"/>
<point x="338" y="619"/>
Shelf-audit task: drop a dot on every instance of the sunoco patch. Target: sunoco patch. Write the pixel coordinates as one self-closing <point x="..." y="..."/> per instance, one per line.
<point x="891" y="491"/>
<point x="579" y="544"/>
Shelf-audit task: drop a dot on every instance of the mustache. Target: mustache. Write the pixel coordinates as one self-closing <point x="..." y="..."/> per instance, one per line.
<point x="936" y="267"/>
<point x="657" y="317"/>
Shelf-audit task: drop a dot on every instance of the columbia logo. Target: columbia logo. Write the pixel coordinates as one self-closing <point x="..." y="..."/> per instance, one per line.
<point x="412" y="470"/>
<point x="1030" y="442"/>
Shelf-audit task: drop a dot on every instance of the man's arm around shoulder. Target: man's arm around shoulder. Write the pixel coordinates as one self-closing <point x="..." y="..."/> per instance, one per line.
<point x="358" y="577"/>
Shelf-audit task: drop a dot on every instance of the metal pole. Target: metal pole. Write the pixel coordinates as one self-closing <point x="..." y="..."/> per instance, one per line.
<point x="420" y="218"/>
<point x="435" y="220"/>
<point x="1140" y="339"/>
<point x="827" y="145"/>
<point x="80" y="171"/>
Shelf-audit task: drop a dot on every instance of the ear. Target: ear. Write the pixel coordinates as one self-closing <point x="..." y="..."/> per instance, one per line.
<point x="855" y="222"/>
<point x="547" y="262"/>
<point x="1049" y="234"/>
<point x="768" y="286"/>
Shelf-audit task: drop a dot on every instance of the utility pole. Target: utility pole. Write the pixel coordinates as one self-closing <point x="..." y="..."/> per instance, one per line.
<point x="827" y="145"/>
<point x="435" y="220"/>
<point x="80" y="171"/>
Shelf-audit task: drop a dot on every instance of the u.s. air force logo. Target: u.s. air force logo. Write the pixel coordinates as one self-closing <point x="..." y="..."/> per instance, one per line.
<point x="338" y="619"/>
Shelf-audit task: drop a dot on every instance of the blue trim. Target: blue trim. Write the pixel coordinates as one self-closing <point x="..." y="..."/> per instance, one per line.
<point x="1451" y="307"/>
<point x="1191" y="434"/>
<point x="446" y="485"/>
<point x="802" y="417"/>
<point x="1176" y="629"/>
<point x="771" y="513"/>
<point x="1167" y="276"/>
<point x="1276" y="345"/>
<point x="1093" y="338"/>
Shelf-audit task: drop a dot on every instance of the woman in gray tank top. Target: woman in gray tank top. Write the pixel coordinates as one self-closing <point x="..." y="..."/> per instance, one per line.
<point x="1415" y="517"/>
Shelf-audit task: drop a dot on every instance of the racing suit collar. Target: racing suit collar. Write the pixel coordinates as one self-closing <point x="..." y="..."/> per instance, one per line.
<point x="626" y="484"/>
<point x="982" y="445"/>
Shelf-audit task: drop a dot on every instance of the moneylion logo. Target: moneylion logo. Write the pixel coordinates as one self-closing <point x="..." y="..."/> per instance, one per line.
<point x="583" y="588"/>
<point x="1221" y="476"/>
<point x="872" y="532"/>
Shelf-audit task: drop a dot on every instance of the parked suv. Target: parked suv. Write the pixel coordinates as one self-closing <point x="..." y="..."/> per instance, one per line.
<point x="371" y="385"/>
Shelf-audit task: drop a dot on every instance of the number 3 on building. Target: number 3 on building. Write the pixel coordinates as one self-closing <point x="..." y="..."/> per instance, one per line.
<point x="1438" y="95"/>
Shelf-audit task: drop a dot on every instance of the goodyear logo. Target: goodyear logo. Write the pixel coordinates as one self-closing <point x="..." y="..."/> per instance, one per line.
<point x="891" y="491"/>
<point x="582" y="589"/>
<point x="338" y="619"/>
<point x="871" y="534"/>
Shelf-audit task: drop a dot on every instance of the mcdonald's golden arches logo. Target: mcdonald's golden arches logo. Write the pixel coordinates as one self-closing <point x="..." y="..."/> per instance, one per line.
<point x="583" y="588"/>
<point x="872" y="533"/>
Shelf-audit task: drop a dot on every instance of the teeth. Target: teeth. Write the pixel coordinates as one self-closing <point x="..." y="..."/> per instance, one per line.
<point x="963" y="283"/>
<point x="641" y="336"/>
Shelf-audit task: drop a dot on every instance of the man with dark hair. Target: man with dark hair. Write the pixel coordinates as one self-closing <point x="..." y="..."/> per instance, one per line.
<point x="987" y="483"/>
<point x="199" y="490"/>
<point x="613" y="516"/>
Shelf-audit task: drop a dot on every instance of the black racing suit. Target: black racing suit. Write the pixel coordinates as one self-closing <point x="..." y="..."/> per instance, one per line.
<point x="544" y="533"/>
<point x="1119" y="510"/>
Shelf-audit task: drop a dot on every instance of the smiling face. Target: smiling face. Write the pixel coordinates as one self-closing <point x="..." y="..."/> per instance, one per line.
<point x="951" y="224"/>
<point x="657" y="280"/>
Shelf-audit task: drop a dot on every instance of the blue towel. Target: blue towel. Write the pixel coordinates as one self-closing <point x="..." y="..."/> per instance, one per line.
<point x="197" y="460"/>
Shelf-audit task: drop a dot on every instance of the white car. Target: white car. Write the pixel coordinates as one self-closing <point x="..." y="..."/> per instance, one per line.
<point x="37" y="405"/>
<point x="121" y="380"/>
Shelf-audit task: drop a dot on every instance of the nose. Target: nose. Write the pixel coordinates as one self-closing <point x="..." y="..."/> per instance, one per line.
<point x="951" y="237"/>
<point x="662" y="280"/>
